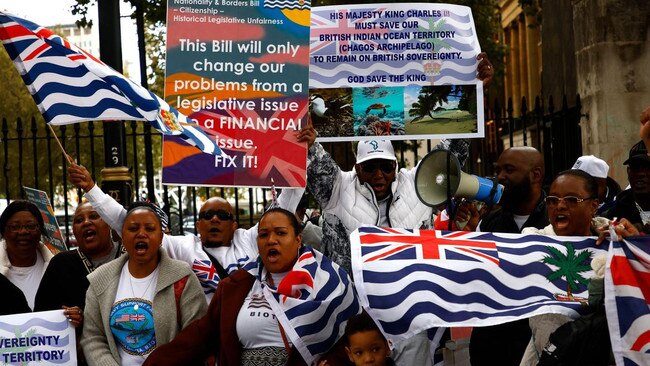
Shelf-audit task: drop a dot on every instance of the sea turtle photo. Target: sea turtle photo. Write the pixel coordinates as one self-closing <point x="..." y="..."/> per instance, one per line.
<point x="378" y="106"/>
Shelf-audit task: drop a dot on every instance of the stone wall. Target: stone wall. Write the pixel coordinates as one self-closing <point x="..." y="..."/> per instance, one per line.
<point x="612" y="54"/>
<point x="558" y="52"/>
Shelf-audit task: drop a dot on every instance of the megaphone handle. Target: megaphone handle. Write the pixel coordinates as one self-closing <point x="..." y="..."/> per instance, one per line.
<point x="495" y="186"/>
<point x="451" y="210"/>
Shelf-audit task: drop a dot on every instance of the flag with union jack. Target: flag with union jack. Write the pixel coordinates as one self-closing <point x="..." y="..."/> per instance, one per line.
<point x="207" y="275"/>
<point x="69" y="85"/>
<point x="412" y="280"/>
<point x="313" y="302"/>
<point x="627" y="300"/>
<point x="137" y="317"/>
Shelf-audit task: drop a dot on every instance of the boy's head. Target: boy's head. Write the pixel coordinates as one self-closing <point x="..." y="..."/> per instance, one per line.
<point x="365" y="343"/>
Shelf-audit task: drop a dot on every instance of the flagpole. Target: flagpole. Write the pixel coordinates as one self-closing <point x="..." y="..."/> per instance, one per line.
<point x="67" y="157"/>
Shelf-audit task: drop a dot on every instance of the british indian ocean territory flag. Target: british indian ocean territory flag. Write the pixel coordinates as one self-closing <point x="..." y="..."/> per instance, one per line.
<point x="411" y="280"/>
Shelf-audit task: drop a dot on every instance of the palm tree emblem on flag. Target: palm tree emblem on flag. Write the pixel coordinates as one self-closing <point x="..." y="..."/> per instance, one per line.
<point x="569" y="266"/>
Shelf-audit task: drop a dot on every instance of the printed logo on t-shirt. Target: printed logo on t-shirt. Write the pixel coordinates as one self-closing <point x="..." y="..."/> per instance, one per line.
<point x="131" y="322"/>
<point x="258" y="306"/>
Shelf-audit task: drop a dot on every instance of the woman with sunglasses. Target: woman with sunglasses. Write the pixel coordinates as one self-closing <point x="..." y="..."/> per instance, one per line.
<point x="250" y="320"/>
<point x="24" y="257"/>
<point x="140" y="300"/>
<point x="572" y="203"/>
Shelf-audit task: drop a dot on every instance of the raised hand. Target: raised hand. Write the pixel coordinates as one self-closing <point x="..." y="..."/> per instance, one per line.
<point x="80" y="177"/>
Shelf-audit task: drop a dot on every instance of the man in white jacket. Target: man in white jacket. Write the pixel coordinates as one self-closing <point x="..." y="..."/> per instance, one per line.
<point x="375" y="193"/>
<point x="220" y="248"/>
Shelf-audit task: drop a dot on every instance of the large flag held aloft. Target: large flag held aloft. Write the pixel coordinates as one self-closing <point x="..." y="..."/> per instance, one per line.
<point x="411" y="280"/>
<point x="70" y="85"/>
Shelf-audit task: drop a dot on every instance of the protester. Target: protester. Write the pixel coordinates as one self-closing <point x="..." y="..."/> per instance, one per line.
<point x="607" y="187"/>
<point x="634" y="203"/>
<point x="64" y="283"/>
<point x="365" y="343"/>
<point x="247" y="322"/>
<point x="521" y="171"/>
<point x="220" y="247"/>
<point x="572" y="203"/>
<point x="376" y="192"/>
<point x="24" y="257"/>
<point x="140" y="300"/>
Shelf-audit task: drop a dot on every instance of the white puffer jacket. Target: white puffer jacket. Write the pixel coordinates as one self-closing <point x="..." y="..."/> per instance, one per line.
<point x="347" y="204"/>
<point x="355" y="203"/>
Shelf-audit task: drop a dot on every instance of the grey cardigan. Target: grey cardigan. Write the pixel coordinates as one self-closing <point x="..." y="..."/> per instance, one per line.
<point x="97" y="340"/>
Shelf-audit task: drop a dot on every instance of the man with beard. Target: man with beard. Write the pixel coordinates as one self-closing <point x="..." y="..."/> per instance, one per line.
<point x="220" y="248"/>
<point x="634" y="203"/>
<point x="521" y="171"/>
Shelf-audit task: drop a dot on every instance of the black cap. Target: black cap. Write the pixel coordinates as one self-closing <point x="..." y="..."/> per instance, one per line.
<point x="638" y="152"/>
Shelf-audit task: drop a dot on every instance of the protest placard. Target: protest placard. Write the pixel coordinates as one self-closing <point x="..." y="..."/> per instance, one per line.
<point x="53" y="238"/>
<point x="240" y="70"/>
<point x="401" y="71"/>
<point x="41" y="338"/>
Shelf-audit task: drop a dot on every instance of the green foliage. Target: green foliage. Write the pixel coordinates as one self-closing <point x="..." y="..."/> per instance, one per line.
<point x="156" y="51"/>
<point x="570" y="265"/>
<point x="155" y="11"/>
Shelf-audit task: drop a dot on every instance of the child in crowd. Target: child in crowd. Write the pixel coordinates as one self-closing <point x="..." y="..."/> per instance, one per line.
<point x="365" y="343"/>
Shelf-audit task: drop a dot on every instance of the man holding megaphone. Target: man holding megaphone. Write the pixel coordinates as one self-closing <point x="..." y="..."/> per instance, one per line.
<point x="375" y="193"/>
<point x="521" y="171"/>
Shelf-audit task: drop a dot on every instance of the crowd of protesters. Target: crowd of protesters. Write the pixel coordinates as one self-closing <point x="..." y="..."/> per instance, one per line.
<point x="126" y="266"/>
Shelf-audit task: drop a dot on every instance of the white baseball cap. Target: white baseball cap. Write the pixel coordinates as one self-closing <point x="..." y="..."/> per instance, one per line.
<point x="592" y="165"/>
<point x="375" y="149"/>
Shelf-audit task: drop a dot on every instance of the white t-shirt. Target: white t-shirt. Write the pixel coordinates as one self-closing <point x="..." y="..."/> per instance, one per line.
<point x="27" y="279"/>
<point x="131" y="317"/>
<point x="520" y="220"/>
<point x="257" y="325"/>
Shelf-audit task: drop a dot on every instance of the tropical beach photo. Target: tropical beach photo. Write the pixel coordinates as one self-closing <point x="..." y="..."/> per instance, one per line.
<point x="441" y="109"/>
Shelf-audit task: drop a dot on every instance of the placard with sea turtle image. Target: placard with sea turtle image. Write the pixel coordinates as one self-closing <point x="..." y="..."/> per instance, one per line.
<point x="399" y="71"/>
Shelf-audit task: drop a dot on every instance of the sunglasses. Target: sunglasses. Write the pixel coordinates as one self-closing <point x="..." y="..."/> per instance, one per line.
<point x="221" y="215"/>
<point x="570" y="201"/>
<point x="15" y="228"/>
<point x="386" y="167"/>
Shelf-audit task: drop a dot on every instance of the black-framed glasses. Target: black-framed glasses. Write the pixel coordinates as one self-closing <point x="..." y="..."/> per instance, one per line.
<point x="570" y="201"/>
<point x="15" y="228"/>
<point x="370" y="167"/>
<point x="221" y="215"/>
